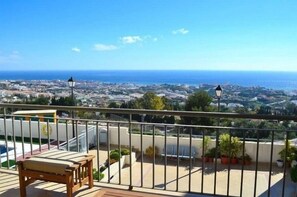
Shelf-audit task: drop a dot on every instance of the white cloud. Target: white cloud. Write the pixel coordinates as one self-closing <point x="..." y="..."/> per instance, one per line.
<point x="131" y="39"/>
<point x="104" y="47"/>
<point x="180" y="31"/>
<point x="12" y="57"/>
<point x="75" y="49"/>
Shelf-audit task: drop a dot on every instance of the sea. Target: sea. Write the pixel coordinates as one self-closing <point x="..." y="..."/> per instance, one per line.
<point x="268" y="79"/>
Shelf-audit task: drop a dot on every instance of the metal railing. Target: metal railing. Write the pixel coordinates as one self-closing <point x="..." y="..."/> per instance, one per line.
<point x="177" y="170"/>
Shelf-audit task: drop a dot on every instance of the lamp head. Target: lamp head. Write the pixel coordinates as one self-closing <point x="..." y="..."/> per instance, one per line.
<point x="219" y="91"/>
<point x="71" y="82"/>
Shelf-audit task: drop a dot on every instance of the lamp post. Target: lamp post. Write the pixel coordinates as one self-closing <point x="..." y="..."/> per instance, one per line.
<point x="219" y="94"/>
<point x="71" y="84"/>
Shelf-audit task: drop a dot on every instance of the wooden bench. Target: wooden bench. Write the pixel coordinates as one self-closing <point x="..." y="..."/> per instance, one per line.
<point x="71" y="168"/>
<point x="184" y="152"/>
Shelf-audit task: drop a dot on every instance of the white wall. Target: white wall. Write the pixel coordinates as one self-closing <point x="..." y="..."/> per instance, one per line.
<point x="251" y="147"/>
<point x="34" y="129"/>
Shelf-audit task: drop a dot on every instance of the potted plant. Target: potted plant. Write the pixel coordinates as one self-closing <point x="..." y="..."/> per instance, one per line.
<point x="224" y="147"/>
<point x="230" y="147"/>
<point x="211" y="154"/>
<point x="114" y="156"/>
<point x="280" y="163"/>
<point x="235" y="149"/>
<point x="245" y="160"/>
<point x="205" y="146"/>
<point x="289" y="155"/>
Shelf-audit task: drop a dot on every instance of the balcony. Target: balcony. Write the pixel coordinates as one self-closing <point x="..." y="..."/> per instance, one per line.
<point x="180" y="172"/>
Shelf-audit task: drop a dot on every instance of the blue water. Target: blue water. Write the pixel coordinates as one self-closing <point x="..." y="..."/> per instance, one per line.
<point x="274" y="80"/>
<point x="3" y="149"/>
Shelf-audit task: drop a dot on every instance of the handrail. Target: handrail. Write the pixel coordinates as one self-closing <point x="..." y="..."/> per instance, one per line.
<point x="152" y="112"/>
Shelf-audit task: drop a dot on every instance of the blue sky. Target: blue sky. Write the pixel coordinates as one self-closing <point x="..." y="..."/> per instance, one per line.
<point x="133" y="34"/>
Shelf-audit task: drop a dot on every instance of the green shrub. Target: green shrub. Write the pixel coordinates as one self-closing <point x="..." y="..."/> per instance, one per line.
<point x="151" y="152"/>
<point x="291" y="152"/>
<point x="233" y="147"/>
<point x="125" y="151"/>
<point x="212" y="153"/>
<point x="294" y="174"/>
<point x="97" y="176"/>
<point x="115" y="155"/>
<point x="205" y="143"/>
<point x="102" y="168"/>
<point x="115" y="150"/>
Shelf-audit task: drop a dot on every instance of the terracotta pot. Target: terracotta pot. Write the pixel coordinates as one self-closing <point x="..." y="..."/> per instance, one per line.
<point x="224" y="160"/>
<point x="244" y="162"/>
<point x="234" y="160"/>
<point x="204" y="159"/>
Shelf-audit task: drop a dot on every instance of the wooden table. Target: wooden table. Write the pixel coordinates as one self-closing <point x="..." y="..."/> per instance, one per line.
<point x="71" y="168"/>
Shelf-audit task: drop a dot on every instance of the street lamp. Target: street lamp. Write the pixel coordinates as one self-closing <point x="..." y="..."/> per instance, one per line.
<point x="71" y="84"/>
<point x="219" y="94"/>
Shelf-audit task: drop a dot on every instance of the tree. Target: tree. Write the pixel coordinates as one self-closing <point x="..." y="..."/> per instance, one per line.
<point x="62" y="101"/>
<point x="199" y="101"/>
<point x="291" y="109"/>
<point x="113" y="105"/>
<point x="168" y="103"/>
<point x="264" y="110"/>
<point x="151" y="101"/>
<point x="42" y="100"/>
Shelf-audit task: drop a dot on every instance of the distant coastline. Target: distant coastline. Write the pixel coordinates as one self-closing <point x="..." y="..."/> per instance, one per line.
<point x="268" y="79"/>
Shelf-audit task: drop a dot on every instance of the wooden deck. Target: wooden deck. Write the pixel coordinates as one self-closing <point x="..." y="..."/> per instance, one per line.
<point x="9" y="186"/>
<point x="108" y="192"/>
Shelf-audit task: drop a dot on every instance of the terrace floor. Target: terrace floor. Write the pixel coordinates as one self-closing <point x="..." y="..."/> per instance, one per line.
<point x="9" y="185"/>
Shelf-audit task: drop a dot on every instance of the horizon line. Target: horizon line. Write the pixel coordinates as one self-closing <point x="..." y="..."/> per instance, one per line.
<point x="81" y="70"/>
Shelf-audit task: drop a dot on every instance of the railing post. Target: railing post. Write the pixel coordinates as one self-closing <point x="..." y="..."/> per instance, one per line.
<point x="87" y="137"/>
<point x="191" y="160"/>
<point x="67" y="135"/>
<point x="165" y="158"/>
<point x="203" y="161"/>
<point x="130" y="148"/>
<point x="98" y="149"/>
<point x="270" y="164"/>
<point x="39" y="134"/>
<point x="257" y="162"/>
<point x="6" y="143"/>
<point x="108" y="151"/>
<point x="141" y="150"/>
<point x="48" y="135"/>
<point x="154" y="157"/>
<point x="13" y="139"/>
<point x="22" y="138"/>
<point x="285" y="163"/>
<point x="243" y="163"/>
<point x="177" y="152"/>
<point x="30" y="135"/>
<point x="119" y="148"/>
<point x="76" y="137"/>
<point x="216" y="162"/>
<point x="57" y="130"/>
